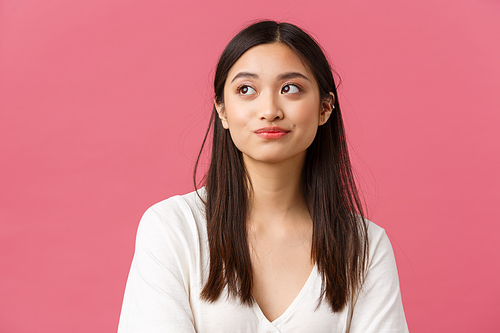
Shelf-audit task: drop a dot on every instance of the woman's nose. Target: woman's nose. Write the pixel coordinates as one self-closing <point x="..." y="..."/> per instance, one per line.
<point x="269" y="108"/>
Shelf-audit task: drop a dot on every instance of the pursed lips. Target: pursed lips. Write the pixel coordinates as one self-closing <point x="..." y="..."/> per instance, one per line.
<point x="273" y="132"/>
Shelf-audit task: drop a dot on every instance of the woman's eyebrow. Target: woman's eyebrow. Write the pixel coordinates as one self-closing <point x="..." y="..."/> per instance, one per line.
<point x="245" y="75"/>
<point x="281" y="77"/>
<point x="292" y="75"/>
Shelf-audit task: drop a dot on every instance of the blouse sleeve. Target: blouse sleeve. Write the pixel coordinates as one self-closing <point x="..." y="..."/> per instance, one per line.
<point x="157" y="292"/>
<point x="379" y="308"/>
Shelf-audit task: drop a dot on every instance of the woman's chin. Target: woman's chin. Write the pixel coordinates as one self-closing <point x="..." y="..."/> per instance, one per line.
<point x="275" y="158"/>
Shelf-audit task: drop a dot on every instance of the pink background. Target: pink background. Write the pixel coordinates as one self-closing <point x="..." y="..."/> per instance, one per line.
<point x="104" y="104"/>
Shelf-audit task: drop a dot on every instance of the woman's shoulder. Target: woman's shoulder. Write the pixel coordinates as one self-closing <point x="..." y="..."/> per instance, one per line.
<point x="378" y="307"/>
<point x="374" y="230"/>
<point x="180" y="216"/>
<point x="179" y="205"/>
<point x="380" y="248"/>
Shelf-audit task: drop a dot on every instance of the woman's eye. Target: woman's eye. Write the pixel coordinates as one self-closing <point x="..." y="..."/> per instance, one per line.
<point x="246" y="90"/>
<point x="290" y="89"/>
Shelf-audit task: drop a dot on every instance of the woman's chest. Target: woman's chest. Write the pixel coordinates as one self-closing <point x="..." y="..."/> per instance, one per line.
<point x="281" y="267"/>
<point x="278" y="279"/>
<point x="302" y="315"/>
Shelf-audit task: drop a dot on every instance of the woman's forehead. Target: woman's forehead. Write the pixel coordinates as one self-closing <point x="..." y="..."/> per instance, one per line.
<point x="269" y="61"/>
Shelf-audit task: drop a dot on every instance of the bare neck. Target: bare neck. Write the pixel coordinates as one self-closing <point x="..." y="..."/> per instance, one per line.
<point x="276" y="199"/>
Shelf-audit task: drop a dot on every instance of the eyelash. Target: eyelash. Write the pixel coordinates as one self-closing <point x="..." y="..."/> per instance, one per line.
<point x="299" y="88"/>
<point x="238" y="90"/>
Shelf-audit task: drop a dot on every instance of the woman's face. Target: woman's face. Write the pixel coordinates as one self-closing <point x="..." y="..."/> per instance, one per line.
<point x="272" y="105"/>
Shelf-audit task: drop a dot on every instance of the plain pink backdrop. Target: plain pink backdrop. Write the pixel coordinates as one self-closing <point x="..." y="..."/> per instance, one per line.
<point x="104" y="104"/>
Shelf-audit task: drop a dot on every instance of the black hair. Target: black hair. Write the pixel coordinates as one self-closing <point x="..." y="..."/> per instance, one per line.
<point x="339" y="238"/>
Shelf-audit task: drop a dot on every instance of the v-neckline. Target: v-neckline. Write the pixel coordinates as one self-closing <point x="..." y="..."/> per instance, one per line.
<point x="289" y="310"/>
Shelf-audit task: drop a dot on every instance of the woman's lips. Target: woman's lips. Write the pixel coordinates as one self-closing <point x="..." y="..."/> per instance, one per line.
<point x="271" y="132"/>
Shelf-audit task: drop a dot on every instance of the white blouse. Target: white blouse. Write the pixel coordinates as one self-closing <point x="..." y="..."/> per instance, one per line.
<point x="171" y="263"/>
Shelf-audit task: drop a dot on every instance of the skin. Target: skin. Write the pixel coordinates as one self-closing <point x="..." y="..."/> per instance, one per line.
<point x="270" y="86"/>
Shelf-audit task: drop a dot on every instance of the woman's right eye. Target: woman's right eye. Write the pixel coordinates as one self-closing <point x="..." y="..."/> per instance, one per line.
<point x="246" y="90"/>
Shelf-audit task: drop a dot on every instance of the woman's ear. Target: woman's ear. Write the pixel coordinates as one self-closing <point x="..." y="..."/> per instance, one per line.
<point x="326" y="109"/>
<point x="222" y="114"/>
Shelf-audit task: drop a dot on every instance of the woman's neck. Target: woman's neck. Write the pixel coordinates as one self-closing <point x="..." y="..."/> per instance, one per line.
<point x="276" y="196"/>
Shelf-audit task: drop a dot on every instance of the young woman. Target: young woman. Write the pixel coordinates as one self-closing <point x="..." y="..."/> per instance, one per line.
<point x="275" y="241"/>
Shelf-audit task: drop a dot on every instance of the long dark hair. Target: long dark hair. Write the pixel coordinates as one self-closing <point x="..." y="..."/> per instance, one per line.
<point x="339" y="238"/>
